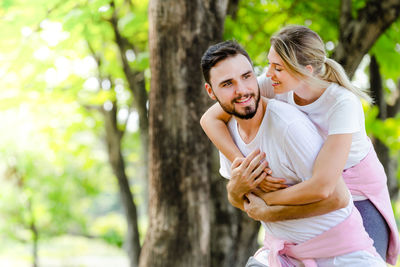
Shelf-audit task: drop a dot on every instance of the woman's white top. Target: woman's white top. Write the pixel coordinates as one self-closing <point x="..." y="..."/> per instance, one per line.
<point x="336" y="111"/>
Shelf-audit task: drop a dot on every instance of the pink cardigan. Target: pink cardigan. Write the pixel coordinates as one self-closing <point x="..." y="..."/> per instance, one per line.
<point x="348" y="236"/>
<point x="368" y="178"/>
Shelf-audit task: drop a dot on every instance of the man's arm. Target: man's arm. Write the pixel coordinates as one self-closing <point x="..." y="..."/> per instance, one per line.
<point x="257" y="209"/>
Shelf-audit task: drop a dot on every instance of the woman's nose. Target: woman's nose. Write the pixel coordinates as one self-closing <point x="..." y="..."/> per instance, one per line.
<point x="269" y="72"/>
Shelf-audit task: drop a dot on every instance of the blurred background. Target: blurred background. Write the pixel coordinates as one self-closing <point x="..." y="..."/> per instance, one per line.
<point x="74" y="125"/>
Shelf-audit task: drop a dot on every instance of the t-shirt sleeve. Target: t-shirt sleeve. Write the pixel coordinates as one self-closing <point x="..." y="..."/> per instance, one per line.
<point x="265" y="84"/>
<point x="344" y="117"/>
<point x="302" y="145"/>
<point x="225" y="166"/>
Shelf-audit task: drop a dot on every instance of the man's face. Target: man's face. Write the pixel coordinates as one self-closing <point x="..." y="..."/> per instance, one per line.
<point x="234" y="85"/>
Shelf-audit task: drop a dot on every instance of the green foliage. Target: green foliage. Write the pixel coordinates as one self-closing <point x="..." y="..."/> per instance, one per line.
<point x="49" y="173"/>
<point x="61" y="65"/>
<point x="387" y="52"/>
<point x="110" y="228"/>
<point x="387" y="131"/>
<point x="257" y="21"/>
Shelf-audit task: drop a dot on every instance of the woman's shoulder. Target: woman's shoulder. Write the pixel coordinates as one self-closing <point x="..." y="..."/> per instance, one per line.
<point x="340" y="93"/>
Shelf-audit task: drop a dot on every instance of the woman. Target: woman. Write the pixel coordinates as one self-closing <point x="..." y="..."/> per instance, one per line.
<point x="300" y="74"/>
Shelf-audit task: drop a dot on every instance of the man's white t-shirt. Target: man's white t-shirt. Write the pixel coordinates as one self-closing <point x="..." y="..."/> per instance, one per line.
<point x="291" y="143"/>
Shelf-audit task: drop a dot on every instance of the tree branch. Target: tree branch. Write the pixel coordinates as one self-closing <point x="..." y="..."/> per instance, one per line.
<point x="392" y="110"/>
<point x="345" y="16"/>
<point x="136" y="79"/>
<point x="233" y="7"/>
<point x="360" y="33"/>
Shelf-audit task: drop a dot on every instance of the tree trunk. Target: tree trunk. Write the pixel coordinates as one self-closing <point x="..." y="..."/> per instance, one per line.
<point x="358" y="35"/>
<point x="35" y="235"/>
<point x="113" y="141"/>
<point x="233" y="233"/>
<point x="385" y="111"/>
<point x="137" y="86"/>
<point x="113" y="138"/>
<point x="35" y="245"/>
<point x="191" y="221"/>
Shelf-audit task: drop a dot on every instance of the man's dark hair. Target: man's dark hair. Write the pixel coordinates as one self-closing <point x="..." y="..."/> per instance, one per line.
<point x="218" y="52"/>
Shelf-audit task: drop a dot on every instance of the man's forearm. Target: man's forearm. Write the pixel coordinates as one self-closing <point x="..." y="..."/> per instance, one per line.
<point x="234" y="199"/>
<point x="339" y="199"/>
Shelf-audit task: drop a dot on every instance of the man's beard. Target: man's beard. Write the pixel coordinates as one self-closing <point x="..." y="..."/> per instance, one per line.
<point x="249" y="111"/>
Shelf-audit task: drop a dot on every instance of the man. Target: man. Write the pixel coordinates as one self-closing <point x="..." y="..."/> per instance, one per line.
<point x="281" y="131"/>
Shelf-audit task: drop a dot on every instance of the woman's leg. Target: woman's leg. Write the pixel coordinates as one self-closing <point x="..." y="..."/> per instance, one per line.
<point x="375" y="225"/>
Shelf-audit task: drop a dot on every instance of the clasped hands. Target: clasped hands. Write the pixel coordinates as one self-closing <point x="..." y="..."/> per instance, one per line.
<point x="250" y="180"/>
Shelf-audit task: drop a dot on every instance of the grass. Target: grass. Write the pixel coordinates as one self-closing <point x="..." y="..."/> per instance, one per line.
<point x="64" y="251"/>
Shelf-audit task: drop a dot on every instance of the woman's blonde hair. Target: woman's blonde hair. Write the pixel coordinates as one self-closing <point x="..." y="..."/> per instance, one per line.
<point x="298" y="46"/>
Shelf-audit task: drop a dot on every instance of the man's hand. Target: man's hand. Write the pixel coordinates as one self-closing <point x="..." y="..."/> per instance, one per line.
<point x="247" y="173"/>
<point x="255" y="207"/>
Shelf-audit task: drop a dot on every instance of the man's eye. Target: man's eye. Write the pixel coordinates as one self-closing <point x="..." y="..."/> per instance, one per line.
<point x="226" y="84"/>
<point x="278" y="69"/>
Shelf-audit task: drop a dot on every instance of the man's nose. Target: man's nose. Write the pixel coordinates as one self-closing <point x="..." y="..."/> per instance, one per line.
<point x="241" y="88"/>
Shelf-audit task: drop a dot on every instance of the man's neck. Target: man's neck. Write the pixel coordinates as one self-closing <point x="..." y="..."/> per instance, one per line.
<point x="248" y="129"/>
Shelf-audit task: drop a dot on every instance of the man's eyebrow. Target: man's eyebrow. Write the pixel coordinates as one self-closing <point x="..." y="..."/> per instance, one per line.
<point x="230" y="79"/>
<point x="248" y="72"/>
<point x="224" y="81"/>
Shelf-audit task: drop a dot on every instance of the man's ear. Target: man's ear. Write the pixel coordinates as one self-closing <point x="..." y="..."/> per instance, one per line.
<point x="310" y="69"/>
<point x="210" y="91"/>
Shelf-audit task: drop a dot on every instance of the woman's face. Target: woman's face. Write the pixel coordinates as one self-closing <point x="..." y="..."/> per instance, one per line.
<point x="282" y="80"/>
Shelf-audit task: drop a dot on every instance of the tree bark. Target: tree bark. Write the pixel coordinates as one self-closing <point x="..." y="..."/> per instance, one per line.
<point x="191" y="220"/>
<point x="389" y="162"/>
<point x="358" y="35"/>
<point x="233" y="233"/>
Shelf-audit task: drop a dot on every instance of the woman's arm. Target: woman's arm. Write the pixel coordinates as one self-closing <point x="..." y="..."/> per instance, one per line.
<point x="214" y="122"/>
<point x="258" y="210"/>
<point x="327" y="170"/>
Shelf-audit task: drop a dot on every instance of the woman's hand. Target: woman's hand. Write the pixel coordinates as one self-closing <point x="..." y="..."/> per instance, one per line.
<point x="270" y="184"/>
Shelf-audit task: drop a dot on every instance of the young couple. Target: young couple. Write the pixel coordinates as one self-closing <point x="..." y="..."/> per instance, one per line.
<point x="316" y="156"/>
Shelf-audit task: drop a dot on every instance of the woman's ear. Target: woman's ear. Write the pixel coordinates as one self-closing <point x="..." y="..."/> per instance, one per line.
<point x="310" y="69"/>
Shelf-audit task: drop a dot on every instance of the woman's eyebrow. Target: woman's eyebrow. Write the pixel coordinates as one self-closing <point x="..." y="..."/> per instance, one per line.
<point x="273" y="63"/>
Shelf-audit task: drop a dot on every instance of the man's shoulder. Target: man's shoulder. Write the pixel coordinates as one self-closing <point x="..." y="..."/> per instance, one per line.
<point x="285" y="111"/>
